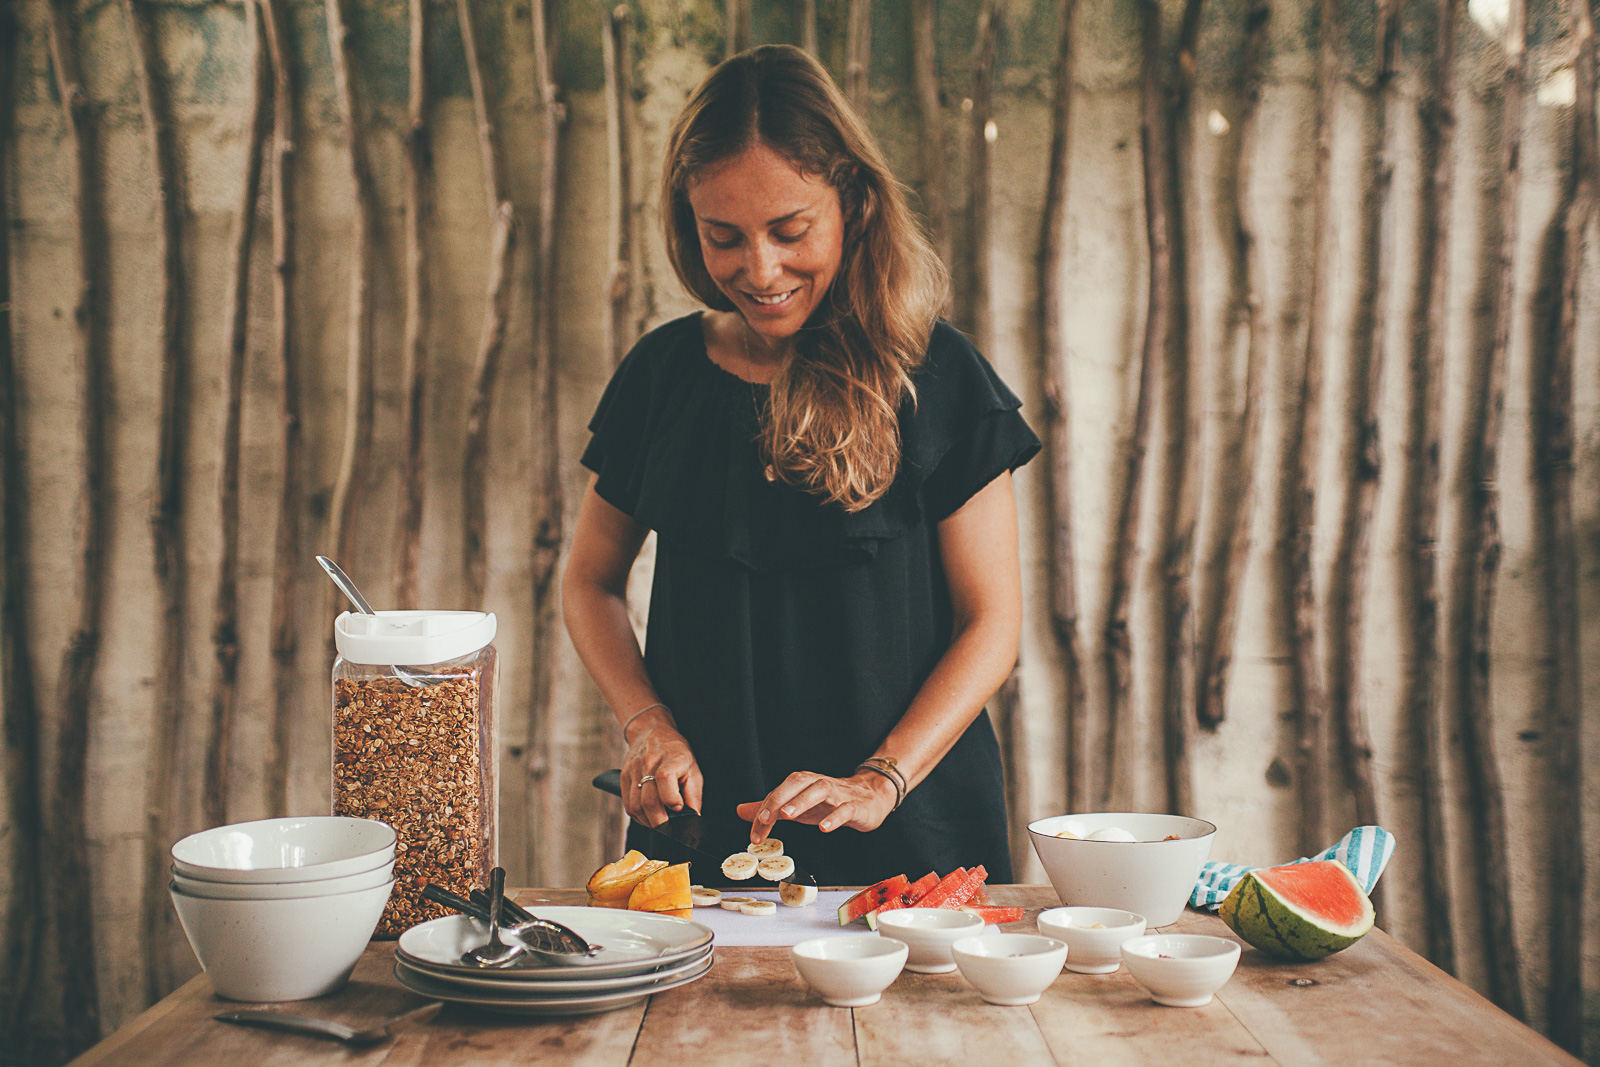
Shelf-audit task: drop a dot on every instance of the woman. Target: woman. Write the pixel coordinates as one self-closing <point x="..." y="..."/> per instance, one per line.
<point x="827" y="467"/>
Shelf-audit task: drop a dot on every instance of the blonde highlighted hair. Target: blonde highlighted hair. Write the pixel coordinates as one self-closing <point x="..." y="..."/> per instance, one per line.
<point x="831" y="424"/>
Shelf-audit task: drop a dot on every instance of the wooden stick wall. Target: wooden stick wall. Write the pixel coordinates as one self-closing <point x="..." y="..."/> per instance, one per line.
<point x="1310" y="543"/>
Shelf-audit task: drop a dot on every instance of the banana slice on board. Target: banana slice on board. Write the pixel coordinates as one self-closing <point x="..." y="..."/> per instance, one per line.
<point x="759" y="907"/>
<point x="776" y="869"/>
<point x="797" y="896"/>
<point x="768" y="849"/>
<point x="735" y="903"/>
<point x="703" y="897"/>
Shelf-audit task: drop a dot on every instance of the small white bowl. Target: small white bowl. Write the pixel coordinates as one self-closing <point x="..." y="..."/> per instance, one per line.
<point x="849" y="972"/>
<point x="1181" y="970"/>
<point x="274" y="950"/>
<point x="1150" y="876"/>
<point x="322" y="887"/>
<point x="929" y="933"/>
<point x="1010" y="969"/>
<point x="1094" y="936"/>
<point x="296" y="849"/>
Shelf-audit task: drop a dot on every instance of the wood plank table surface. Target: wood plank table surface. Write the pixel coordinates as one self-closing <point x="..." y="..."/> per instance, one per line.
<point x="1375" y="1003"/>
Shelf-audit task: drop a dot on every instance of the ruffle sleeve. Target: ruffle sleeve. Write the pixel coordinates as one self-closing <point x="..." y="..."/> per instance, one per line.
<point x="673" y="446"/>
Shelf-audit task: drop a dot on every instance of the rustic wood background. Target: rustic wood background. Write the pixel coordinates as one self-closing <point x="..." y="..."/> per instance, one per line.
<point x="1302" y="294"/>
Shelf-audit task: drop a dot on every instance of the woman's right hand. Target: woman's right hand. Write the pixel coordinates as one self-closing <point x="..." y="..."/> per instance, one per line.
<point x="659" y="772"/>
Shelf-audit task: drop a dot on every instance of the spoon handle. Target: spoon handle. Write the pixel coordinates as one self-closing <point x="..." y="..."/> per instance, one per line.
<point x="497" y="901"/>
<point x="346" y="586"/>
<point x="440" y="895"/>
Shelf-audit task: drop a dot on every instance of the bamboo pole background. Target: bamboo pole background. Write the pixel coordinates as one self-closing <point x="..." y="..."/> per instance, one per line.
<point x="1059" y="248"/>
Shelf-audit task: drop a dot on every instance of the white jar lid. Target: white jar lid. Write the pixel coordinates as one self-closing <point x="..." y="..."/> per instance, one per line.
<point x="411" y="638"/>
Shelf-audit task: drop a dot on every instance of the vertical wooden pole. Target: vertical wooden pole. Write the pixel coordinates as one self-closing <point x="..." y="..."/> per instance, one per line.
<point x="418" y="208"/>
<point x="1554" y="429"/>
<point x="738" y="17"/>
<point x="858" y="52"/>
<point x="1182" y="426"/>
<point x="808" y="25"/>
<point x="486" y="368"/>
<point x="19" y="708"/>
<point x="355" y="457"/>
<point x="1152" y="360"/>
<point x="616" y="38"/>
<point x="1245" y="273"/>
<point x="71" y="888"/>
<point x="1302" y="447"/>
<point x="1480" y="552"/>
<point x="1422" y="485"/>
<point x="549" y="520"/>
<point x="1058" y="425"/>
<point x="930" y="124"/>
<point x="287" y="566"/>
<point x="1347" y="585"/>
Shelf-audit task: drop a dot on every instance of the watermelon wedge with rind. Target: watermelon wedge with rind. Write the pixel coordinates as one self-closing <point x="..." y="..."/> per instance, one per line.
<point x="994" y="914"/>
<point x="871" y="898"/>
<point x="1301" y="911"/>
<point x="953" y="894"/>
<point x="908" y="899"/>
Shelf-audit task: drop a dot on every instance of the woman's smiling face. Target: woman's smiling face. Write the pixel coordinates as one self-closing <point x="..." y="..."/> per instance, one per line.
<point x="772" y="238"/>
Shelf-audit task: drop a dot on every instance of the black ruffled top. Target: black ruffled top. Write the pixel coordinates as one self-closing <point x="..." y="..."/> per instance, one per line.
<point x="787" y="634"/>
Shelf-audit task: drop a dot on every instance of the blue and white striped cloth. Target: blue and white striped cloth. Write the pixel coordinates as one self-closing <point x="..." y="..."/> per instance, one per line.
<point x="1365" y="850"/>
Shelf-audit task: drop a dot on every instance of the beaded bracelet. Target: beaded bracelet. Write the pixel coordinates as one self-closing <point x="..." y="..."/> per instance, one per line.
<point x="648" y="707"/>
<point x="899" y="790"/>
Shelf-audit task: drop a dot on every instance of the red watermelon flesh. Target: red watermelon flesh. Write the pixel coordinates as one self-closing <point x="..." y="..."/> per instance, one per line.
<point x="993" y="914"/>
<point x="957" y="888"/>
<point x="908" y="899"/>
<point x="1302" y="911"/>
<point x="871" y="898"/>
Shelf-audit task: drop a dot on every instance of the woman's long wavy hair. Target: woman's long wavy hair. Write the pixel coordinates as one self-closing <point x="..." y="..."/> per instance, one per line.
<point x="831" y="423"/>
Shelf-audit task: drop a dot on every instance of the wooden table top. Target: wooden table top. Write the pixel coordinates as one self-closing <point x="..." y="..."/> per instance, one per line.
<point x="1377" y="1002"/>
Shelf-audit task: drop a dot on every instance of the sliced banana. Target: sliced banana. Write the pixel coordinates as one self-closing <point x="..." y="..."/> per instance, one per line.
<point x="703" y="897"/>
<point x="740" y="866"/>
<point x="759" y="907"/>
<point x="735" y="903"/>
<point x="776" y="869"/>
<point x="771" y="848"/>
<point x="797" y="896"/>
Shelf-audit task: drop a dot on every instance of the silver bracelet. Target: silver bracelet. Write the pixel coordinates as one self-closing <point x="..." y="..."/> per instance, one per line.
<point x="629" y="720"/>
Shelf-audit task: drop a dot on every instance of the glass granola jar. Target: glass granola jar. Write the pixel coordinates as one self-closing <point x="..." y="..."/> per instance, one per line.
<point x="414" y="747"/>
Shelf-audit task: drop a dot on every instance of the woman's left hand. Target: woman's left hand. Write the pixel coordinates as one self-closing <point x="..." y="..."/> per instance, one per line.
<point x="860" y="802"/>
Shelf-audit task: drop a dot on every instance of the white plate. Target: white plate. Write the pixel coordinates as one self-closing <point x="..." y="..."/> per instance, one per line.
<point x="631" y="942"/>
<point x="502" y="981"/>
<point x="533" y="1003"/>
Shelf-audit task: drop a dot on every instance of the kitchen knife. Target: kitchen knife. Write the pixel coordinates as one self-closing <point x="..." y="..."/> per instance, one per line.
<point x="690" y="831"/>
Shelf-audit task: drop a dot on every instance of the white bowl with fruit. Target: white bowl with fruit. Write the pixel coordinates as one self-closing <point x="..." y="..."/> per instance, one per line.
<point x="1094" y="936"/>
<point x="1132" y="861"/>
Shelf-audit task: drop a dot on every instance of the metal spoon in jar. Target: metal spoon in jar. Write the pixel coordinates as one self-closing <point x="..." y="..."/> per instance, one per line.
<point x="348" y="588"/>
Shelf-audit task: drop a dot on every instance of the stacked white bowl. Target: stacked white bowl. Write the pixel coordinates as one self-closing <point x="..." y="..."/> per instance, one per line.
<point x="281" y="909"/>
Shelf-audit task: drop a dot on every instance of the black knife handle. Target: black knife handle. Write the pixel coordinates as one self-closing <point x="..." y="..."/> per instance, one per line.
<point x="611" y="782"/>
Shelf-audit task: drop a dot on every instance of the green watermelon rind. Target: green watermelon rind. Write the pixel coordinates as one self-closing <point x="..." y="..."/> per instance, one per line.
<point x="1275" y="926"/>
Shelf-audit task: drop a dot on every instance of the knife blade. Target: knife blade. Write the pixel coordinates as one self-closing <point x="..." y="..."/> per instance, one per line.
<point x="690" y="830"/>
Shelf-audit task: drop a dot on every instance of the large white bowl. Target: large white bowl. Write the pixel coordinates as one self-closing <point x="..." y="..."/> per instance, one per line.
<point x="296" y="849"/>
<point x="1010" y="969"/>
<point x="849" y="972"/>
<point x="1094" y="936"/>
<point x="273" y="950"/>
<point x="929" y="933"/>
<point x="321" y="887"/>
<point x="1181" y="970"/>
<point x="1151" y="876"/>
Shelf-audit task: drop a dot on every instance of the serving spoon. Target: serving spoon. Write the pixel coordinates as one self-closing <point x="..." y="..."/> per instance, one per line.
<point x="348" y="588"/>
<point x="496" y="953"/>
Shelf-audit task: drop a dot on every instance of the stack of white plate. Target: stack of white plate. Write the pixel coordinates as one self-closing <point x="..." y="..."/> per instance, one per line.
<point x="639" y="954"/>
<point x="281" y="909"/>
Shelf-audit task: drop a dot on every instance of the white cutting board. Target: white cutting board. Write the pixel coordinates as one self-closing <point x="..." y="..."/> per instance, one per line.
<point x="789" y="926"/>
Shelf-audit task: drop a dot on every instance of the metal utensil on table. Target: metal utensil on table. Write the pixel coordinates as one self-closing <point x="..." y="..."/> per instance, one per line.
<point x="545" y="938"/>
<point x="495" y="953"/>
<point x="348" y="588"/>
<point x="307" y="1024"/>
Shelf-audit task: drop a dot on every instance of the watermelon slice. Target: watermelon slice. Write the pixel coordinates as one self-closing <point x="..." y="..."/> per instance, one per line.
<point x="871" y="898"/>
<point x="993" y="914"/>
<point x="908" y="899"/>
<point x="1303" y="911"/>
<point x="953" y="891"/>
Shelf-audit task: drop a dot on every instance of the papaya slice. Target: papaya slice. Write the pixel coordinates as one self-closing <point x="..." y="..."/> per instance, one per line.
<point x="611" y="885"/>
<point x="664" y="890"/>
